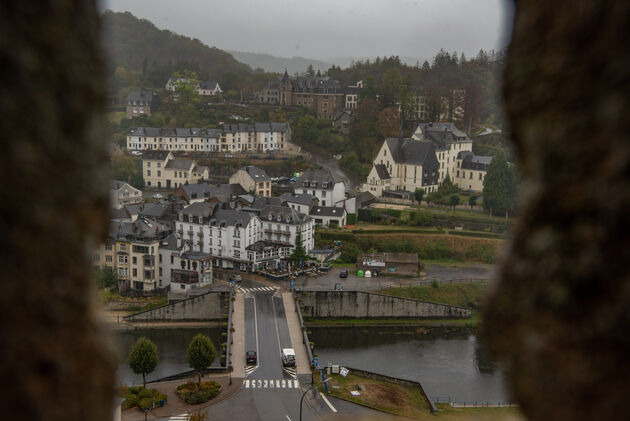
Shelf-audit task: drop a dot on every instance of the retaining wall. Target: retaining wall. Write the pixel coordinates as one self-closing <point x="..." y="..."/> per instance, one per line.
<point x="210" y="306"/>
<point x="360" y="304"/>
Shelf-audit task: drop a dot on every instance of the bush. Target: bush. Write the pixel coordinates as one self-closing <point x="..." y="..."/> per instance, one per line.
<point x="141" y="397"/>
<point x="190" y="393"/>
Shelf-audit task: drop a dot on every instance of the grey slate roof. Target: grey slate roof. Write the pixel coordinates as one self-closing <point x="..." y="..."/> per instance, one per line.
<point x="316" y="178"/>
<point x="302" y="199"/>
<point x="155" y="155"/>
<point x="256" y="173"/>
<point x="287" y="215"/>
<point x="169" y="243"/>
<point x="382" y="172"/>
<point x="471" y="161"/>
<point x="326" y="211"/>
<point x="261" y="202"/>
<point x="202" y="209"/>
<point x="230" y="217"/>
<point x="442" y="134"/>
<point x="208" y="84"/>
<point x="208" y="132"/>
<point x="145" y="97"/>
<point x="140" y="230"/>
<point x="415" y="152"/>
<point x="180" y="164"/>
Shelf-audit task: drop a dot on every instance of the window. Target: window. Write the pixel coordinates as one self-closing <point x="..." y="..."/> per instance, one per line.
<point x="135" y="272"/>
<point x="148" y="164"/>
<point x="108" y="258"/>
<point x="134" y="260"/>
<point x="471" y="175"/>
<point x="108" y="246"/>
<point x="159" y="173"/>
<point x="148" y="173"/>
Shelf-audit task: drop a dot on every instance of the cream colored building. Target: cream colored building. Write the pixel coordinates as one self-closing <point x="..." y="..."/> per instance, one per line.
<point x="162" y="170"/>
<point x="131" y="251"/>
<point x="448" y="142"/>
<point x="471" y="171"/>
<point x="253" y="179"/>
<point x="403" y="164"/>
<point x="122" y="194"/>
<point x="228" y="138"/>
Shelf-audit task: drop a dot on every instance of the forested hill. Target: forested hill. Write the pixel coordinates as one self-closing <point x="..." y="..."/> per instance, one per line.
<point x="275" y="64"/>
<point x="150" y="55"/>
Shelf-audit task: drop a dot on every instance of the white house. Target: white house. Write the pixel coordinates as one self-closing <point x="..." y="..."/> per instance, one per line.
<point x="122" y="194"/>
<point x="322" y="184"/>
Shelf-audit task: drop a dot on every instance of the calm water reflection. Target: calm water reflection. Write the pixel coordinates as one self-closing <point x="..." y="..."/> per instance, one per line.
<point x="171" y="344"/>
<point x="448" y="363"/>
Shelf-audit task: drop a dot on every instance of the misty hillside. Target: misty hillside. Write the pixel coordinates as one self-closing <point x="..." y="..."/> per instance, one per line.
<point x="139" y="46"/>
<point x="275" y="64"/>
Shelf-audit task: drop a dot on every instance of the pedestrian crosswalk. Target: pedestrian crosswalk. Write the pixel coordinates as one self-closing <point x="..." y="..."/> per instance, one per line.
<point x="291" y="371"/>
<point x="255" y="289"/>
<point x="182" y="417"/>
<point x="271" y="384"/>
<point x="250" y="369"/>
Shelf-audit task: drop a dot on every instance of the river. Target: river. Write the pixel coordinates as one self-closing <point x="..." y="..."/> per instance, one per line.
<point x="448" y="363"/>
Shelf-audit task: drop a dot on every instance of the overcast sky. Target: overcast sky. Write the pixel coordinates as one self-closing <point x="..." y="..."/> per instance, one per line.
<point x="325" y="29"/>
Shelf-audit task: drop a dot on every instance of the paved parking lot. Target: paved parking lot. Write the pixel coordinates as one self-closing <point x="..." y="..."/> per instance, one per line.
<point x="438" y="273"/>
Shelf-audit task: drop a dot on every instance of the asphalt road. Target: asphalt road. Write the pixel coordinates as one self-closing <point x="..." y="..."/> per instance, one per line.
<point x="275" y="392"/>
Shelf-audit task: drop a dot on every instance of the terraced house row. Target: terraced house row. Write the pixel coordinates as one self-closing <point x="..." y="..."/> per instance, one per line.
<point x="256" y="137"/>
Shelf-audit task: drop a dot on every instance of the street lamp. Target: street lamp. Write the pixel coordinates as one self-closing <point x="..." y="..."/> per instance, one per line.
<point x="304" y="394"/>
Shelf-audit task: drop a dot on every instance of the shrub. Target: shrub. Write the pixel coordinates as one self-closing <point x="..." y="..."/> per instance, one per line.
<point x="141" y="397"/>
<point x="191" y="394"/>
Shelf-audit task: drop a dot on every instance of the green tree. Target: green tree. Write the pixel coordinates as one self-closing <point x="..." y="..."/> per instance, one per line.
<point x="200" y="354"/>
<point x="306" y="130"/>
<point x="125" y="168"/>
<point x="186" y="84"/>
<point x="453" y="200"/>
<point x="143" y="358"/>
<point x="310" y="70"/>
<point x="500" y="187"/>
<point x="472" y="201"/>
<point x="447" y="187"/>
<point x="299" y="253"/>
<point x="418" y="194"/>
<point x="105" y="277"/>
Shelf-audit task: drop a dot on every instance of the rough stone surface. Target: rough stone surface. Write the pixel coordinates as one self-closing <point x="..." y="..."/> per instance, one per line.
<point x="359" y="304"/>
<point x="559" y="316"/>
<point x="210" y="306"/>
<point x="53" y="205"/>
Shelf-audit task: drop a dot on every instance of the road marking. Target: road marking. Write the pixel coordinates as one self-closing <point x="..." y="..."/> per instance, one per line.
<point x="246" y="382"/>
<point x="273" y="306"/>
<point x="297" y="384"/>
<point x="284" y="383"/>
<point x="256" y="327"/>
<point x="288" y="418"/>
<point x="277" y="384"/>
<point x="332" y="408"/>
<point x="182" y="417"/>
<point x="265" y="383"/>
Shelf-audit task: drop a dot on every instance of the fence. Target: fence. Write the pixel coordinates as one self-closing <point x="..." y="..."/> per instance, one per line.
<point x="473" y="404"/>
<point x="307" y="343"/>
<point x="426" y="283"/>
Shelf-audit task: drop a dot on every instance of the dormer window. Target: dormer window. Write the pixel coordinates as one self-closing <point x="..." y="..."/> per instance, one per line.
<point x="279" y="218"/>
<point x="181" y="217"/>
<point x="324" y="185"/>
<point x="190" y="218"/>
<point x="270" y="217"/>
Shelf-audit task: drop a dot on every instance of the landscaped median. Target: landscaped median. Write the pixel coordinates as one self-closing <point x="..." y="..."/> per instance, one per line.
<point x="400" y="398"/>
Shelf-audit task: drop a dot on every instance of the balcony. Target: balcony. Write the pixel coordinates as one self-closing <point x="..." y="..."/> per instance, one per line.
<point x="281" y="232"/>
<point x="184" y="276"/>
<point x="149" y="261"/>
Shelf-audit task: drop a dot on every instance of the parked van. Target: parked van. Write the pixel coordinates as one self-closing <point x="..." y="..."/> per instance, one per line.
<point x="288" y="357"/>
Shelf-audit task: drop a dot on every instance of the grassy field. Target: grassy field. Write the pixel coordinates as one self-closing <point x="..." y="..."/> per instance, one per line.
<point x="466" y="294"/>
<point x="408" y="401"/>
<point x="472" y="323"/>
<point x="115" y="116"/>
<point x="388" y="397"/>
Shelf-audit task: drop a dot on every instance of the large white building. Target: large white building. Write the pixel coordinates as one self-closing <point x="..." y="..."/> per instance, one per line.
<point x="323" y="185"/>
<point x="256" y="137"/>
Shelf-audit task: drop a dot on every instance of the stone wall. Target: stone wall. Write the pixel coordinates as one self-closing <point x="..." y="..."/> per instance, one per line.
<point x="359" y="304"/>
<point x="210" y="306"/>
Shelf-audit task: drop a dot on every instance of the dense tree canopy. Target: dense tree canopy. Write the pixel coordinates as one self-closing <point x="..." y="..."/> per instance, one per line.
<point x="200" y="354"/>
<point x="143" y="358"/>
<point x="500" y="187"/>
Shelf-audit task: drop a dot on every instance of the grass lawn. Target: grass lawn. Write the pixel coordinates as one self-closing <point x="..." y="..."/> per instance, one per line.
<point x="465" y="294"/>
<point x="378" y="394"/>
<point x="115" y="116"/>
<point x="408" y="401"/>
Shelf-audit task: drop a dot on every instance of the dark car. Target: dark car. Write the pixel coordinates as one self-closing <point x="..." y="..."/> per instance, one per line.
<point x="343" y="273"/>
<point x="251" y="357"/>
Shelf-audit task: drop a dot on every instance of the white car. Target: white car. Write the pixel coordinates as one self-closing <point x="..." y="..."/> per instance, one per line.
<point x="136" y="153"/>
<point x="157" y="196"/>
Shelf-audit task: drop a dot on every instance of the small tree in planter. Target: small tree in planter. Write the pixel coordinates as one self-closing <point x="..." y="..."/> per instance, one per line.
<point x="143" y="358"/>
<point x="200" y="355"/>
